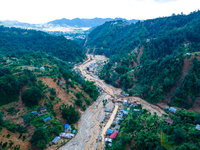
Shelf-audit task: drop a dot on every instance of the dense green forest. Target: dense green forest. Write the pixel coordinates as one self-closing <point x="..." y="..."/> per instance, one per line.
<point x="156" y="59"/>
<point x="145" y="131"/>
<point x="167" y="32"/>
<point x="15" y="42"/>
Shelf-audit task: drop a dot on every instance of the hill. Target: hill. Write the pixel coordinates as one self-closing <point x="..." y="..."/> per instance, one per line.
<point x="17" y="42"/>
<point x="29" y="94"/>
<point x="156" y="59"/>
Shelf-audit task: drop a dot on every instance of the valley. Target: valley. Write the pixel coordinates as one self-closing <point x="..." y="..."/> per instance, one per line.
<point x="90" y="125"/>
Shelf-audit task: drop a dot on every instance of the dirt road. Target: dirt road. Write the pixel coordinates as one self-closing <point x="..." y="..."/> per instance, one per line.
<point x="89" y="125"/>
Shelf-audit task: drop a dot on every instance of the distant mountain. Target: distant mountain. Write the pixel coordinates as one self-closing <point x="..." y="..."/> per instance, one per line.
<point x="72" y="29"/>
<point x="77" y="22"/>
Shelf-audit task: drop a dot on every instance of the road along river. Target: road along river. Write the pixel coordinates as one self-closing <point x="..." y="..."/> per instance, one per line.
<point x="89" y="125"/>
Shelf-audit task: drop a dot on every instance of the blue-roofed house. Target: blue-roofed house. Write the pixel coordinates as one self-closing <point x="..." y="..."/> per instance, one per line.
<point x="173" y="110"/>
<point x="109" y="131"/>
<point x="34" y="112"/>
<point x="47" y="119"/>
<point x="56" y="139"/>
<point x="66" y="126"/>
<point x="42" y="68"/>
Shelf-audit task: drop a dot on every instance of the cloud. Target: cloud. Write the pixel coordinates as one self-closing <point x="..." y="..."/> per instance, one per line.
<point x="165" y="1"/>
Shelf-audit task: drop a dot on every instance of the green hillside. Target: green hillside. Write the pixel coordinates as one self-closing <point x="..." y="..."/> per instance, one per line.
<point x="156" y="59"/>
<point x="25" y="88"/>
<point x="169" y="32"/>
<point x="15" y="42"/>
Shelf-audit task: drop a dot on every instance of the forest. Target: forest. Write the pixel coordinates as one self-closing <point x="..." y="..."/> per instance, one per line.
<point x="16" y="42"/>
<point x="169" y="32"/>
<point x="156" y="59"/>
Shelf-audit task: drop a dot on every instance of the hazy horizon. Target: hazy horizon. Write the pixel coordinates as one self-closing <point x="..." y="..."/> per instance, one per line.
<point x="37" y="12"/>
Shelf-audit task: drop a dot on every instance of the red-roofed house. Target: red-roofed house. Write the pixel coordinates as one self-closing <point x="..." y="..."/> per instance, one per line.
<point x="168" y="120"/>
<point x="113" y="135"/>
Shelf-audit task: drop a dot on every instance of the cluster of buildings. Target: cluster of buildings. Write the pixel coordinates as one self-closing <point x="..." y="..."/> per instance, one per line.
<point x="65" y="135"/>
<point x="39" y="113"/>
<point x="121" y="114"/>
<point x="96" y="67"/>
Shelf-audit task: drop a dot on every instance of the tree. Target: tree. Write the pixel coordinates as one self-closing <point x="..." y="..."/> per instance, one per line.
<point x="31" y="96"/>
<point x="179" y="135"/>
<point x="70" y="115"/>
<point x="27" y="119"/>
<point x="104" y="102"/>
<point x="147" y="140"/>
<point x="40" y="138"/>
<point x="187" y="146"/>
<point x="1" y="119"/>
<point x="79" y="102"/>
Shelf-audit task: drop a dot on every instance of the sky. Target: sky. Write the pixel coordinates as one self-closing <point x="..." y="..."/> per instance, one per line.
<point x="42" y="11"/>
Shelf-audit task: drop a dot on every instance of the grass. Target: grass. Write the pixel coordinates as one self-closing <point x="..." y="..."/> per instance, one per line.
<point x="164" y="143"/>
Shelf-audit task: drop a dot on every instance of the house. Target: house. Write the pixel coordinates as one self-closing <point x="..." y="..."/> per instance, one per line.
<point x="125" y="113"/>
<point x="132" y="70"/>
<point x="109" y="131"/>
<point x="113" y="67"/>
<point x="61" y="82"/>
<point x="115" y="63"/>
<point x="173" y="110"/>
<point x="107" y="114"/>
<point x="95" y="66"/>
<point x="34" y="112"/>
<point x="56" y="139"/>
<point x="168" y="120"/>
<point x="120" y="115"/>
<point x="121" y="95"/>
<point x="108" y="110"/>
<point x="117" y="127"/>
<point x="107" y="117"/>
<point x="96" y="72"/>
<point x="118" y="118"/>
<point x="125" y="94"/>
<point x="198" y="127"/>
<point x="137" y="110"/>
<point x="47" y="119"/>
<point x="134" y="105"/>
<point x="91" y="69"/>
<point x="108" y="140"/>
<point x="113" y="135"/>
<point x="43" y="110"/>
<point x="125" y="102"/>
<point x="128" y="109"/>
<point x="148" y="40"/>
<point x="66" y="127"/>
<point x="69" y="79"/>
<point x="116" y="122"/>
<point x="66" y="135"/>
<point x="42" y="68"/>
